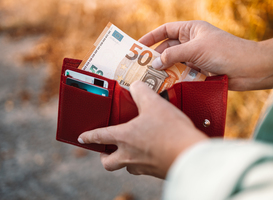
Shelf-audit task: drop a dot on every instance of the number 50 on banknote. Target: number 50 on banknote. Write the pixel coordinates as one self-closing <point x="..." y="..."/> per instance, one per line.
<point x="117" y="56"/>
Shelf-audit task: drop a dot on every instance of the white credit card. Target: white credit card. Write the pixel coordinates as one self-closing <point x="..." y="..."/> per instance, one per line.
<point x="86" y="78"/>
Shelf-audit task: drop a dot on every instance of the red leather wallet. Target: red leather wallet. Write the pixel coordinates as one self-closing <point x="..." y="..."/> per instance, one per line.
<point x="203" y="102"/>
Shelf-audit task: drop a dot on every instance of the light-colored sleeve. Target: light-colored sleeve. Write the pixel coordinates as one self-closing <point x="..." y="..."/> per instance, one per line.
<point x="218" y="170"/>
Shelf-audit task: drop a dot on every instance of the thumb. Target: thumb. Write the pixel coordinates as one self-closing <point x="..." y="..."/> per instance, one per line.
<point x="175" y="54"/>
<point x="100" y="135"/>
<point x="144" y="97"/>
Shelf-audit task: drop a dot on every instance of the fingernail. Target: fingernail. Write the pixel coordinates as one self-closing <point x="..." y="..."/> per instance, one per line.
<point x="157" y="63"/>
<point x="80" y="140"/>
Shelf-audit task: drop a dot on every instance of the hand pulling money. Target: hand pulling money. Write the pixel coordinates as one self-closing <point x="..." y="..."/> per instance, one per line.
<point x="116" y="55"/>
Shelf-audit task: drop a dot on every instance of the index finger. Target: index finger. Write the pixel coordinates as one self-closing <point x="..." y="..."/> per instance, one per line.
<point x="168" y="30"/>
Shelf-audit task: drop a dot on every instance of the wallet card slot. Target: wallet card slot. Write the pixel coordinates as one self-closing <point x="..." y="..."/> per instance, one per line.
<point x="63" y="80"/>
<point x="80" y="111"/>
<point x="111" y="83"/>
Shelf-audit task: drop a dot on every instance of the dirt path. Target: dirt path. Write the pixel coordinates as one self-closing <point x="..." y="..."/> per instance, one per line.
<point x="33" y="165"/>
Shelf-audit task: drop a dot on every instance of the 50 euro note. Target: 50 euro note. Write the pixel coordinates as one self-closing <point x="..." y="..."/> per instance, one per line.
<point x="116" y="55"/>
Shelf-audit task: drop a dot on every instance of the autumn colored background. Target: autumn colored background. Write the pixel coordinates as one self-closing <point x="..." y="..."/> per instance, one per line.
<point x="68" y="28"/>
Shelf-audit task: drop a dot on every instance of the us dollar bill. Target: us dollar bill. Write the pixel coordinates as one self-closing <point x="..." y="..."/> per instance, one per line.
<point x="116" y="55"/>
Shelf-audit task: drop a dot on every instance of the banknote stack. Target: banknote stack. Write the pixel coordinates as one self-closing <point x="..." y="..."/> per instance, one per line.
<point x="116" y="55"/>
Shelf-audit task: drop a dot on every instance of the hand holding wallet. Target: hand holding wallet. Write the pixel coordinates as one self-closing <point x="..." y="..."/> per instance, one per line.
<point x="203" y="102"/>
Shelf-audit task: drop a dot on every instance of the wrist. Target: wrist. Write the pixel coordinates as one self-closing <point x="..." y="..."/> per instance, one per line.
<point x="254" y="69"/>
<point x="180" y="147"/>
<point x="261" y="73"/>
<point x="266" y="63"/>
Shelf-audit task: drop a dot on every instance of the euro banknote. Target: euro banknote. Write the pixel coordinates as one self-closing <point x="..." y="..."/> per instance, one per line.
<point x="116" y="55"/>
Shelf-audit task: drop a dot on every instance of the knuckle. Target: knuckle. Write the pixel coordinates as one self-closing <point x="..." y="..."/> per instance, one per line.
<point x="122" y="136"/>
<point x="204" y="22"/>
<point x="165" y="57"/>
<point x="199" y="22"/>
<point x="96" y="138"/>
<point x="113" y="132"/>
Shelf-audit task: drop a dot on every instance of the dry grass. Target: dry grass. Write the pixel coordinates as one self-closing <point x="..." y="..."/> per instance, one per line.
<point x="69" y="28"/>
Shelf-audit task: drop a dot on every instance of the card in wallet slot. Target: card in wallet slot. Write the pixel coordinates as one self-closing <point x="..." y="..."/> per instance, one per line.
<point x="204" y="102"/>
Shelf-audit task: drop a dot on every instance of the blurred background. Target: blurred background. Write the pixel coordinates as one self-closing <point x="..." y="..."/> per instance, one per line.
<point x="35" y="36"/>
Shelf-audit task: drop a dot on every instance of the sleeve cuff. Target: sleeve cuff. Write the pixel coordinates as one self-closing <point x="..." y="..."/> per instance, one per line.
<point x="210" y="170"/>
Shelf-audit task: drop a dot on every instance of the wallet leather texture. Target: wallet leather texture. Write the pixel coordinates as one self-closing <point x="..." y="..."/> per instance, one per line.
<point x="80" y="111"/>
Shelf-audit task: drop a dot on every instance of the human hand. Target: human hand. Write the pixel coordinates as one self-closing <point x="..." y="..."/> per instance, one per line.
<point x="149" y="143"/>
<point x="248" y="64"/>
